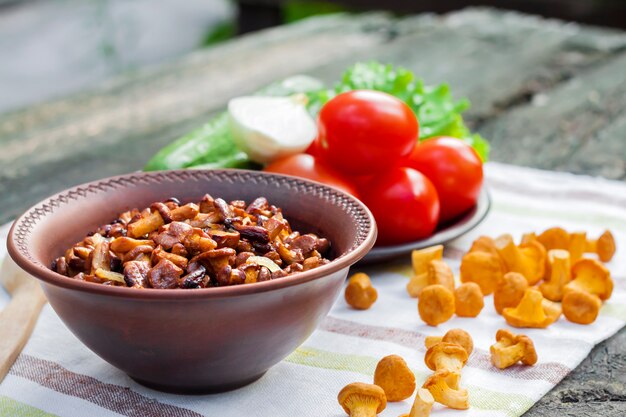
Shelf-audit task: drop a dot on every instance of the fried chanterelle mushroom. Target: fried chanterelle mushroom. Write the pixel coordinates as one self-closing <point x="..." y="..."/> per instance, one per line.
<point x="457" y="336"/>
<point x="211" y="243"/>
<point x="360" y="293"/>
<point x="395" y="378"/>
<point x="510" y="349"/>
<point x="362" y="400"/>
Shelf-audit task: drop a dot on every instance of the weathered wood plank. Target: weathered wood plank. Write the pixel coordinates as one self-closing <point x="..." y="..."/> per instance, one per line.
<point x="596" y="388"/>
<point x="490" y="57"/>
<point x="578" y="126"/>
<point x="117" y="127"/>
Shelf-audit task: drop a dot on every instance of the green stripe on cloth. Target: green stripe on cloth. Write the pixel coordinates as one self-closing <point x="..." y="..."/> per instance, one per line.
<point x="615" y="310"/>
<point x="13" y="408"/>
<point x="482" y="398"/>
<point x="402" y="267"/>
<point x="603" y="220"/>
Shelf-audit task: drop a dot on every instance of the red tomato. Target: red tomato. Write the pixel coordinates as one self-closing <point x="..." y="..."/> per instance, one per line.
<point x="365" y="132"/>
<point x="306" y="166"/>
<point x="455" y="170"/>
<point x="405" y="206"/>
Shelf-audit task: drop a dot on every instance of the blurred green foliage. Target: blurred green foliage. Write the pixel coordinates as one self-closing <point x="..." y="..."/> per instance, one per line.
<point x="293" y="11"/>
<point x="301" y="9"/>
<point x="220" y="33"/>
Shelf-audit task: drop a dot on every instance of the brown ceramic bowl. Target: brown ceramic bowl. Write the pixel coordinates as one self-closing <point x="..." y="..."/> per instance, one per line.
<point x="199" y="340"/>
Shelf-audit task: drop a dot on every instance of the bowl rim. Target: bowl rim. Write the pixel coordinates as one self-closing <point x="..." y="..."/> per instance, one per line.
<point x="45" y="274"/>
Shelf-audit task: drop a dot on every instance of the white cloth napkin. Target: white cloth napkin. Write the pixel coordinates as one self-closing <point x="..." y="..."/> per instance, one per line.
<point x="57" y="375"/>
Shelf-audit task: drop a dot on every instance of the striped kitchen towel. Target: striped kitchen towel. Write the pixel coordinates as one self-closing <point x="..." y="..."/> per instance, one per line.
<point x="57" y="375"/>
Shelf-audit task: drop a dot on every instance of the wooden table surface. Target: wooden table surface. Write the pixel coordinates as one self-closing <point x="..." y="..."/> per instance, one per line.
<point x="547" y="94"/>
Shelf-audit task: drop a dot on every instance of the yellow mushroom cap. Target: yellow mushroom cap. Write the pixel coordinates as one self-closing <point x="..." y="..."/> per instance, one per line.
<point x="554" y="238"/>
<point x="577" y="245"/>
<point x="359" y="395"/>
<point x="483" y="268"/>
<point x="511" y="348"/>
<point x="435" y="304"/>
<point x="461" y="338"/>
<point x="416" y="284"/>
<point x="395" y="378"/>
<point x="444" y="387"/>
<point x="509" y="291"/>
<point x="530" y="311"/>
<point x="536" y="256"/>
<point x="421" y="257"/>
<point x="445" y="355"/>
<point x="529" y="259"/>
<point x="581" y="307"/>
<point x="360" y="293"/>
<point x="431" y="341"/>
<point x="440" y="272"/>
<point x="560" y="274"/>
<point x="468" y="300"/>
<point x="605" y="246"/>
<point x="591" y="276"/>
<point x="484" y="244"/>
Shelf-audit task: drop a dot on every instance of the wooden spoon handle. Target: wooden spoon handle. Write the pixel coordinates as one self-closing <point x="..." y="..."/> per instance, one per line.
<point x="17" y="321"/>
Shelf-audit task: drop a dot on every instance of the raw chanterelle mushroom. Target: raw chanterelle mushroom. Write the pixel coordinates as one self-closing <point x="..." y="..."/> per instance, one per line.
<point x="362" y="400"/>
<point x="457" y="336"/>
<point x="603" y="246"/>
<point x="445" y="355"/>
<point x="420" y="259"/>
<point x="360" y="293"/>
<point x="440" y="272"/>
<point x="577" y="245"/>
<point x="529" y="259"/>
<point x="510" y="349"/>
<point x="591" y="276"/>
<point x="509" y="291"/>
<point x="483" y="268"/>
<point x="422" y="404"/>
<point x="468" y="300"/>
<point x="532" y="311"/>
<point x="435" y="304"/>
<point x="560" y="275"/>
<point x="395" y="378"/>
<point x="444" y="387"/>
<point x="581" y="307"/>
<point x="554" y="238"/>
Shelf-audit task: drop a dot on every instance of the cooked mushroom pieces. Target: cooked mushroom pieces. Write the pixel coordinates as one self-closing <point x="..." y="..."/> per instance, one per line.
<point x="136" y="274"/>
<point x="164" y="275"/>
<point x="172" y="234"/>
<point x="194" y="245"/>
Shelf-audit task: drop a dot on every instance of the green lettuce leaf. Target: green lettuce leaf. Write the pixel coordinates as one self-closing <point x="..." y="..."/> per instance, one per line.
<point x="438" y="113"/>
